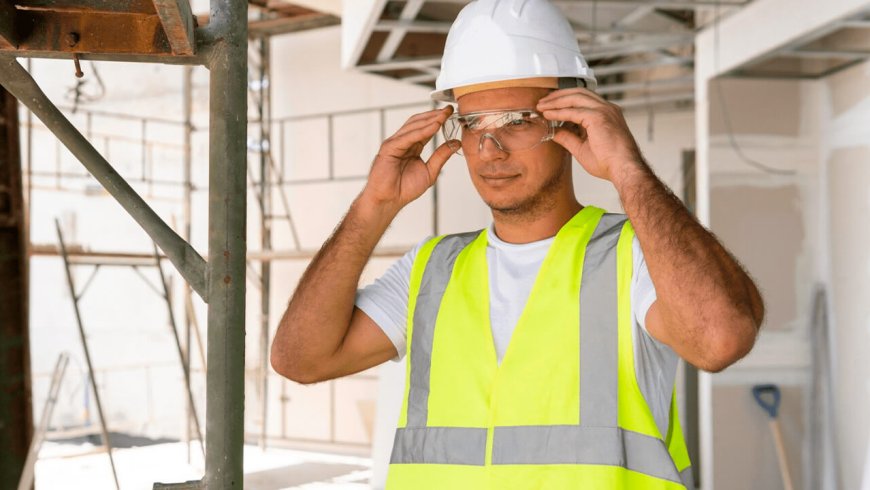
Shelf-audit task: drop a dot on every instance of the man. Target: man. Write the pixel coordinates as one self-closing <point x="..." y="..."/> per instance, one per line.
<point x="541" y="351"/>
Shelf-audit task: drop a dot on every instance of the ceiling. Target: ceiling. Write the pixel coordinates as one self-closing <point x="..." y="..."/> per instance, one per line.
<point x="642" y="52"/>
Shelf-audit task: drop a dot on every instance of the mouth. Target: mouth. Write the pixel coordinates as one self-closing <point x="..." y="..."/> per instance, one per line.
<point x="498" y="176"/>
<point x="499" y="180"/>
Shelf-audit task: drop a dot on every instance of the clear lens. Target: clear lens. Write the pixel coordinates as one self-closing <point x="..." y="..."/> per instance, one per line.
<point x="513" y="130"/>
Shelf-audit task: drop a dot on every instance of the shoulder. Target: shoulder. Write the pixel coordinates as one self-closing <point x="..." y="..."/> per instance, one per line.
<point x="444" y="246"/>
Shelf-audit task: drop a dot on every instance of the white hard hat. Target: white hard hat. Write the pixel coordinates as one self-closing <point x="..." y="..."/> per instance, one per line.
<point x="501" y="40"/>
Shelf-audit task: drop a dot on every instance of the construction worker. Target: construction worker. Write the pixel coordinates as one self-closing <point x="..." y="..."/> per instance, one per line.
<point x="542" y="350"/>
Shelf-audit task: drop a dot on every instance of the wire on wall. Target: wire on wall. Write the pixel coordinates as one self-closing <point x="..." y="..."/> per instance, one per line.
<point x="724" y="107"/>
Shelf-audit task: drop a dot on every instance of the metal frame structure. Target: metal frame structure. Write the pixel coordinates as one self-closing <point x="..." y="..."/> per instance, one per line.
<point x="279" y="216"/>
<point x="76" y="295"/>
<point x="221" y="46"/>
<point x="162" y="291"/>
<point x="640" y="51"/>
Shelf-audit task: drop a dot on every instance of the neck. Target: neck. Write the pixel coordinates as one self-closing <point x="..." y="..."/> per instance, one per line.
<point x="534" y="226"/>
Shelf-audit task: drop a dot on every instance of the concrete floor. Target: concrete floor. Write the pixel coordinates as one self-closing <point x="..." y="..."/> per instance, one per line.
<point x="79" y="466"/>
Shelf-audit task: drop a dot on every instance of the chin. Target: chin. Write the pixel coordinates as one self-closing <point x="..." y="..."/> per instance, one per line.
<point x="504" y="204"/>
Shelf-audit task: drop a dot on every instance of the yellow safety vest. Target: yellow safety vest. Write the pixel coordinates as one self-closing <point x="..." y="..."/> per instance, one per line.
<point x="563" y="409"/>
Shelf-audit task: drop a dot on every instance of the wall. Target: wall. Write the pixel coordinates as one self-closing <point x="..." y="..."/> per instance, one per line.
<point x="845" y="160"/>
<point x="768" y="218"/>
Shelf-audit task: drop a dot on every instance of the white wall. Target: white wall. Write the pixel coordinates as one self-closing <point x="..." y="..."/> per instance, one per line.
<point x="846" y="168"/>
<point x="769" y="221"/>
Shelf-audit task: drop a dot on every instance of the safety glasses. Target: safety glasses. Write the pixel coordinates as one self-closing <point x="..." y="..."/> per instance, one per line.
<point x="513" y="130"/>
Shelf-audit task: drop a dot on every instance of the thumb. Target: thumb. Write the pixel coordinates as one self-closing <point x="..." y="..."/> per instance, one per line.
<point x="570" y="140"/>
<point x="439" y="158"/>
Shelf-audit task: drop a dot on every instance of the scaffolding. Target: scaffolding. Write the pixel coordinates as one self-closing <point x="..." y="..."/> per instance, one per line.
<point x="175" y="150"/>
<point x="167" y="36"/>
<point x="223" y="52"/>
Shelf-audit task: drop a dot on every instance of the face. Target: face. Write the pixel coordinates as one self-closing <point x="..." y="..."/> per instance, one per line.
<point x="520" y="182"/>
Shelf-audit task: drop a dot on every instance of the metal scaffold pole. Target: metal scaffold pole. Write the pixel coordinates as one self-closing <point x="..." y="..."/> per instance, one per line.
<point x="225" y="381"/>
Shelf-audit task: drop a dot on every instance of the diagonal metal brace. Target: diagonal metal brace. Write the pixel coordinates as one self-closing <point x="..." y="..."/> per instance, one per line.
<point x="186" y="259"/>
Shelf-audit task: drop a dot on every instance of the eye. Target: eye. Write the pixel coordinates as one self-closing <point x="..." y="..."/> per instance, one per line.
<point x="470" y="124"/>
<point x="518" y="122"/>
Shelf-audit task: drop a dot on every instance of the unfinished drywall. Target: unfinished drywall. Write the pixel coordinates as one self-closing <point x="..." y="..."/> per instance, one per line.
<point x="764" y="107"/>
<point x="763" y="227"/>
<point x="764" y="206"/>
<point x="764" y="199"/>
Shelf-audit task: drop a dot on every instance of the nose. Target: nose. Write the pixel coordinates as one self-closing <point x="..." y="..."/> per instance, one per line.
<point x="490" y="149"/>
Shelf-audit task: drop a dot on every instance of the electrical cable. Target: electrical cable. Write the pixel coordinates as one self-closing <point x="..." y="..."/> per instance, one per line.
<point x="725" y="115"/>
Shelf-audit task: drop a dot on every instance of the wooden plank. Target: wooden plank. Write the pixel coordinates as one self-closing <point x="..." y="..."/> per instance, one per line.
<point x="8" y="37"/>
<point x="42" y="31"/>
<point x="274" y="27"/>
<point x="177" y="20"/>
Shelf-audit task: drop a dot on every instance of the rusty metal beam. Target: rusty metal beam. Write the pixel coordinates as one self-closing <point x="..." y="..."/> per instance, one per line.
<point x="73" y="32"/>
<point x="8" y="36"/>
<point x="200" y="58"/>
<point x="177" y="20"/>
<point x="91" y="6"/>
<point x="16" y="424"/>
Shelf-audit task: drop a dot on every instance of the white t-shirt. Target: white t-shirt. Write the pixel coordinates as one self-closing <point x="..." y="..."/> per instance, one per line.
<point x="512" y="272"/>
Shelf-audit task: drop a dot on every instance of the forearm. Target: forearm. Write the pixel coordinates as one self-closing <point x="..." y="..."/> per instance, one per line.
<point x="319" y="313"/>
<point x="711" y="306"/>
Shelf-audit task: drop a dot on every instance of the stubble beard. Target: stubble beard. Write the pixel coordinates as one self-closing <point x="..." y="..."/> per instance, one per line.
<point x="532" y="207"/>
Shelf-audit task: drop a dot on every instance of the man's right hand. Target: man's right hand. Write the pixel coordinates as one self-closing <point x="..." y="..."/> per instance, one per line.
<point x="399" y="175"/>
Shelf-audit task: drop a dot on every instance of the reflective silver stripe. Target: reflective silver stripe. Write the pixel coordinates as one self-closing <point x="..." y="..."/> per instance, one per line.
<point x="688" y="478"/>
<point x="598" y="326"/>
<point x="439" y="445"/>
<point x="573" y="444"/>
<point x="436" y="275"/>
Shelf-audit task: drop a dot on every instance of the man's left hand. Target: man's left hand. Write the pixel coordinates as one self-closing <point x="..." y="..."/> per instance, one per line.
<point x="600" y="139"/>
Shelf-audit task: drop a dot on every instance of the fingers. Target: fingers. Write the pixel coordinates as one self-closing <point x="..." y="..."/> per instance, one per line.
<point x="576" y="115"/>
<point x="400" y="145"/>
<point x="418" y="129"/>
<point x="419" y="120"/>
<point x="439" y="158"/>
<point x="561" y="97"/>
<point x="446" y="111"/>
<point x="568" y="139"/>
<point x="417" y="125"/>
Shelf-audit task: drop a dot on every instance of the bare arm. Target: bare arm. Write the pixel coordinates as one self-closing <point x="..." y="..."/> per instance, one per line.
<point x="322" y="335"/>
<point x="707" y="309"/>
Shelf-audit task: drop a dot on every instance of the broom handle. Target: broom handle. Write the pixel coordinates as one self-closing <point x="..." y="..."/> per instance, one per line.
<point x="780" y="453"/>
